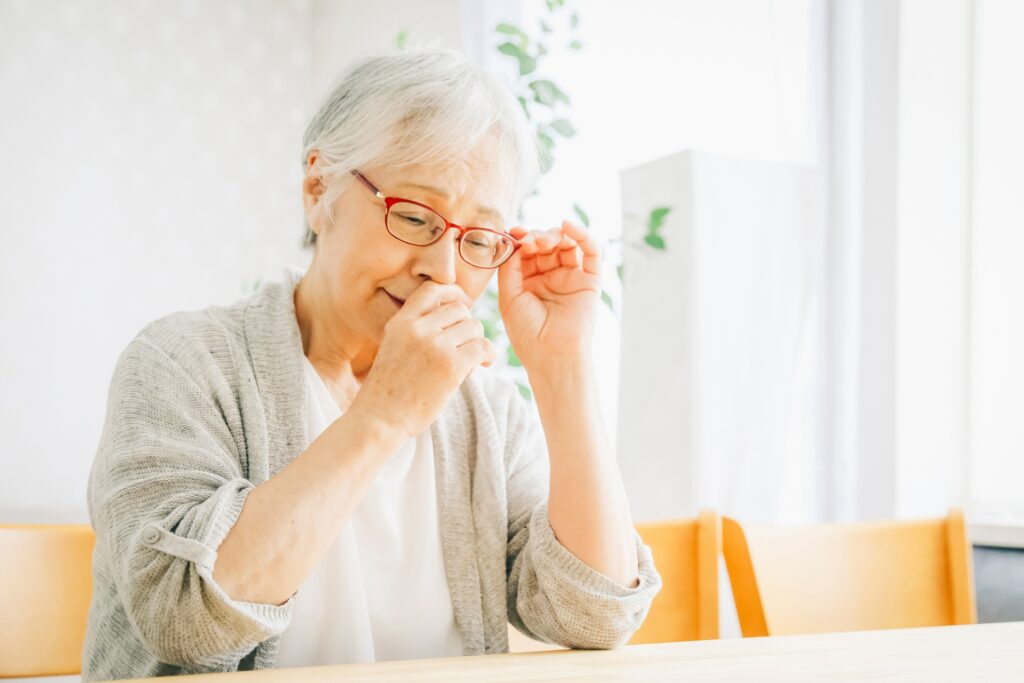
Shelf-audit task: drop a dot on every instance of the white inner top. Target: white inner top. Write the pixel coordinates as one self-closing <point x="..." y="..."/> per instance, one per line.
<point x="380" y="592"/>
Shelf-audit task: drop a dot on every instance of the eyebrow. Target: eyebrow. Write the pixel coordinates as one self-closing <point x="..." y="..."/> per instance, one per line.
<point x="441" y="193"/>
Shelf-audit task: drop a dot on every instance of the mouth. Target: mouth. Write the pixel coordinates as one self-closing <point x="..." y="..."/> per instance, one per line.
<point x="398" y="302"/>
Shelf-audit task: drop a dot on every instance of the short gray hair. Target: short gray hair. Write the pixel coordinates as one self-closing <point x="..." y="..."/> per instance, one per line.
<point x="422" y="105"/>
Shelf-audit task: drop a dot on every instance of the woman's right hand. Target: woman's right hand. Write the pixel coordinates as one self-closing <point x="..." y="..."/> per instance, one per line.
<point x="429" y="347"/>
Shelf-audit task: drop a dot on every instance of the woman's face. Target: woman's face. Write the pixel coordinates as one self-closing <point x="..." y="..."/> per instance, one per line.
<point x="363" y="273"/>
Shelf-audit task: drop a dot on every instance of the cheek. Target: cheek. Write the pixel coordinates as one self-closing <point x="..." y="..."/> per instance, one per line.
<point x="474" y="281"/>
<point x="366" y="256"/>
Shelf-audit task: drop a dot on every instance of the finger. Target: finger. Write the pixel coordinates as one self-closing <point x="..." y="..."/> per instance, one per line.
<point x="476" y="353"/>
<point x="549" y="240"/>
<point x="544" y="242"/>
<point x="430" y="295"/>
<point x="570" y="258"/>
<point x="463" y="332"/>
<point x="588" y="245"/>
<point x="510" y="274"/>
<point x="550" y="245"/>
<point x="547" y="261"/>
<point x="529" y="267"/>
<point x="528" y="244"/>
<point x="445" y="315"/>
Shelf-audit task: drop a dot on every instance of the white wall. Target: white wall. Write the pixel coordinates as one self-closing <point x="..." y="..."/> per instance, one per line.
<point x="149" y="162"/>
<point x="932" y="254"/>
<point x="343" y="29"/>
<point x="927" y="383"/>
<point x="996" y="255"/>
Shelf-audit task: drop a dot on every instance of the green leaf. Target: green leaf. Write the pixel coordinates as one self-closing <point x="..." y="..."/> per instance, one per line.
<point x="511" y="49"/>
<point x="563" y="127"/>
<point x="575" y="45"/>
<point x="545" y="144"/>
<point x="542" y="49"/>
<point x="545" y="27"/>
<point x="524" y="391"/>
<point x="513" y="359"/>
<point x="547" y="160"/>
<point x="607" y="299"/>
<point x="584" y="218"/>
<point x="574" y="20"/>
<point x="490" y="329"/>
<point x="515" y="32"/>
<point x="657" y="218"/>
<point x="401" y="39"/>
<point x="619" y="269"/>
<point x="525" y="104"/>
<point x="545" y="140"/>
<point x="654" y="241"/>
<point x="527" y="65"/>
<point x="547" y="93"/>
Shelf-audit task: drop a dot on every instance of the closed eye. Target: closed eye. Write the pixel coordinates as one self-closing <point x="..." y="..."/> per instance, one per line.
<point x="414" y="220"/>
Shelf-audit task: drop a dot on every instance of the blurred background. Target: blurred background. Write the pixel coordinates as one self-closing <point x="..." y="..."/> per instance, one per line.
<point x="813" y="213"/>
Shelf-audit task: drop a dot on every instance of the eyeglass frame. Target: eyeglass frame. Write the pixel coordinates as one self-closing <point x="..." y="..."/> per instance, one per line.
<point x="391" y="201"/>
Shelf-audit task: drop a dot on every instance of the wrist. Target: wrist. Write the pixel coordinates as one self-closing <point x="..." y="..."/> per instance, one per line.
<point x="557" y="368"/>
<point x="373" y="426"/>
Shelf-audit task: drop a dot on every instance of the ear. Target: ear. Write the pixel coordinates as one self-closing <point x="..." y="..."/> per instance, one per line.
<point x="312" y="189"/>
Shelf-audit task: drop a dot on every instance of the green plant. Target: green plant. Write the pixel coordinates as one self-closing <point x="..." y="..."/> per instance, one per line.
<point x="652" y="238"/>
<point x="543" y="100"/>
<point x="655" y="221"/>
<point x="545" y="104"/>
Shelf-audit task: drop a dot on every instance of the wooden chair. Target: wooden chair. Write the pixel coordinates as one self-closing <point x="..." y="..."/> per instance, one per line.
<point x="686" y="555"/>
<point x="848" y="577"/>
<point x="45" y="589"/>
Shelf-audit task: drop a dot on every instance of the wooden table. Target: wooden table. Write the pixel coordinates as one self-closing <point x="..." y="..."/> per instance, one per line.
<point x="991" y="652"/>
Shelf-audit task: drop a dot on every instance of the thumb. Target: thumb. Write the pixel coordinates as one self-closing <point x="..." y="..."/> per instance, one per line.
<point x="510" y="273"/>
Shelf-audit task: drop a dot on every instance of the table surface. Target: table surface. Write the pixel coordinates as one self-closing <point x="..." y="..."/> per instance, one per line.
<point x="989" y="652"/>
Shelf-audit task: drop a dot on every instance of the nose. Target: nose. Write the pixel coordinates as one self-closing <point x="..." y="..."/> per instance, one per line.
<point x="437" y="261"/>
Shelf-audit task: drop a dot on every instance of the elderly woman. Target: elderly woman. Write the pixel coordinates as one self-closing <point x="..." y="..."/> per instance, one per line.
<point x="323" y="473"/>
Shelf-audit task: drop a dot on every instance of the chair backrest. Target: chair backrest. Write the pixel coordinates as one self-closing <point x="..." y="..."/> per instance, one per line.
<point x="686" y="555"/>
<point x="849" y="577"/>
<point x="45" y="589"/>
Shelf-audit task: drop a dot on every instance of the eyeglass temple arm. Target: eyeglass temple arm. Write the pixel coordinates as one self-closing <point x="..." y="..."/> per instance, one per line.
<point x="371" y="186"/>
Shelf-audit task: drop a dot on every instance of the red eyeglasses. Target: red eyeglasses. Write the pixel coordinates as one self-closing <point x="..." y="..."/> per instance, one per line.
<point x="419" y="225"/>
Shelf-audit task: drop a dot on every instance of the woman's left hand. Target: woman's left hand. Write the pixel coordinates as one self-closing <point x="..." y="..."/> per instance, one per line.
<point x="548" y="294"/>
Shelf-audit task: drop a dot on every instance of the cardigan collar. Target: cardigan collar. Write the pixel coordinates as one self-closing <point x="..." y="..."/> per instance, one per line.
<point x="275" y="347"/>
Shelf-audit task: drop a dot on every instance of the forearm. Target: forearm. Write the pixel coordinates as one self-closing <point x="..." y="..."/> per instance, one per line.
<point x="587" y="507"/>
<point x="288" y="522"/>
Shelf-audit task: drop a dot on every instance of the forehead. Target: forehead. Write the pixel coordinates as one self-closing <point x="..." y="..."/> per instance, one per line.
<point x="475" y="184"/>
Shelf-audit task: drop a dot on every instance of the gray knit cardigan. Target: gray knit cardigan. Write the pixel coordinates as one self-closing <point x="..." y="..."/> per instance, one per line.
<point x="205" y="405"/>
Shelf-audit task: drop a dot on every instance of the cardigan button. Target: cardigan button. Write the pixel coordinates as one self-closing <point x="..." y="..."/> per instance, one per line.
<point x="151" y="535"/>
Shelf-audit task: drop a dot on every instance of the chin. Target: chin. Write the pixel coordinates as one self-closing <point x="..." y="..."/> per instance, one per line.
<point x="377" y="333"/>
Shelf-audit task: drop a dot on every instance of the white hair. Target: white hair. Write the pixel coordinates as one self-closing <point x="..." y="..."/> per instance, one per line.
<point x="423" y="105"/>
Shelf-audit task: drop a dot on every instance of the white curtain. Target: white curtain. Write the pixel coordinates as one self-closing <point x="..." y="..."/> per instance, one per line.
<point x="884" y="380"/>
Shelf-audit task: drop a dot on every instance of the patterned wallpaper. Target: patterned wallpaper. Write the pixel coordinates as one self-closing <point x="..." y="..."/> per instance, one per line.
<point x="149" y="162"/>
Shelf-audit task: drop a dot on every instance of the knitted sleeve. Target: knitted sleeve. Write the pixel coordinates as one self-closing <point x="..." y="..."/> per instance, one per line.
<point x="553" y="595"/>
<point x="166" y="487"/>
